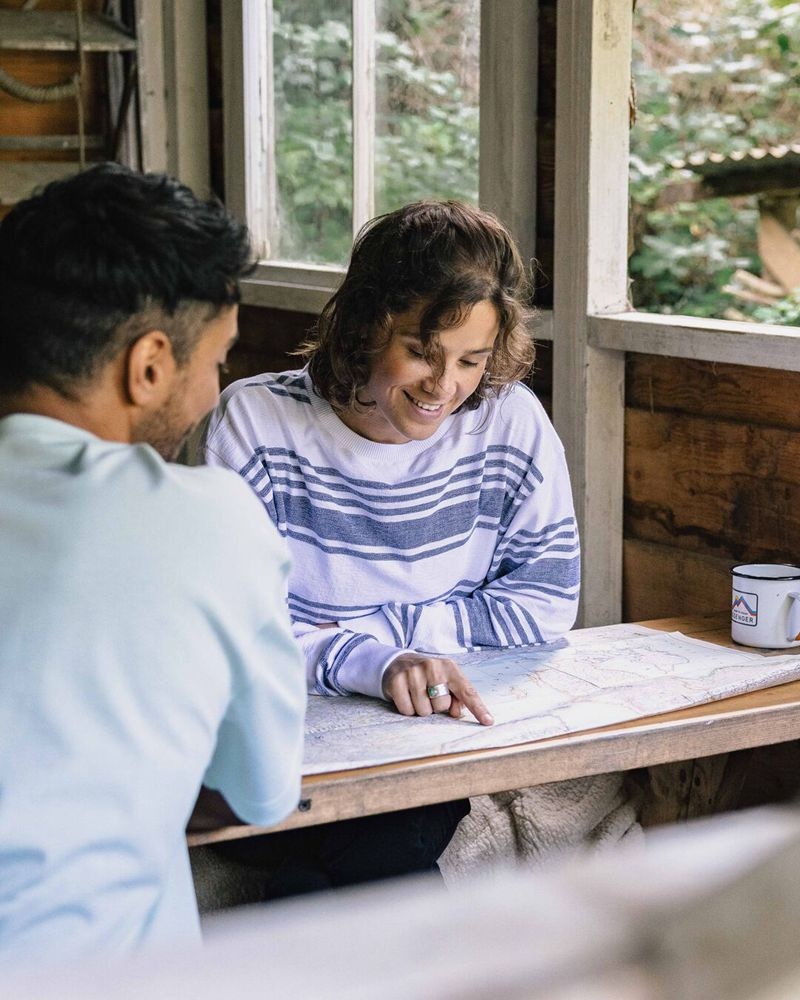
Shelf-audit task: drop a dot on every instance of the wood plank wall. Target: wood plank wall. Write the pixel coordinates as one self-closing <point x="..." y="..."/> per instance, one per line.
<point x="267" y="338"/>
<point x="712" y="478"/>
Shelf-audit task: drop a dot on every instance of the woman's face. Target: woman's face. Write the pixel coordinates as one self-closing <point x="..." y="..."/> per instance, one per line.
<point x="411" y="401"/>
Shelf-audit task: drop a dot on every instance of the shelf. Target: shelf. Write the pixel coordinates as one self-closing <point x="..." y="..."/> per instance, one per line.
<point x="48" y="31"/>
<point x="18" y="180"/>
<point x="14" y="143"/>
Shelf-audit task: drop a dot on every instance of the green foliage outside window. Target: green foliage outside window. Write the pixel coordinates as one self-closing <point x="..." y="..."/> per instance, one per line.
<point x="711" y="76"/>
<point x="427" y="128"/>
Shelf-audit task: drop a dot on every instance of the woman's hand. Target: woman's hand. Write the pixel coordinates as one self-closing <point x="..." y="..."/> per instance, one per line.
<point x="408" y="678"/>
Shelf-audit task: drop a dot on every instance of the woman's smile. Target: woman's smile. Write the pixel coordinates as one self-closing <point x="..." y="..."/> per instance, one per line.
<point x="433" y="408"/>
<point x="406" y="399"/>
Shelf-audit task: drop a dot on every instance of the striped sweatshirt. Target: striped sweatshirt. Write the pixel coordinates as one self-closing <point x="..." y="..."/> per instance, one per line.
<point x="464" y="540"/>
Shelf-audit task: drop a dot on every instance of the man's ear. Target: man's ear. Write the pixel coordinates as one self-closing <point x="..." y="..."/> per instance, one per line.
<point x="149" y="369"/>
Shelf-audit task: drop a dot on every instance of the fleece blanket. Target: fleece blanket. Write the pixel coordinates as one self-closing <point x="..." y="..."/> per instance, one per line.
<point x="532" y="825"/>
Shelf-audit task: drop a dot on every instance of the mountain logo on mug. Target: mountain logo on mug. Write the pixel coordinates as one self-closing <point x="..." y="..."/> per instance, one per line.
<point x="744" y="608"/>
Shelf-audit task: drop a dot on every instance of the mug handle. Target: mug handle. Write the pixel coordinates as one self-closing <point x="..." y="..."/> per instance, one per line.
<point x="793" y="621"/>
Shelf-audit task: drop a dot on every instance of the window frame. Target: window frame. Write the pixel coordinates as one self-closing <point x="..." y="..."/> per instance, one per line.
<point x="593" y="324"/>
<point x="508" y="96"/>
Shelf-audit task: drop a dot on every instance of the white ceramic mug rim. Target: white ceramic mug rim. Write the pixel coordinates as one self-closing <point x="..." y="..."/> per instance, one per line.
<point x="737" y="571"/>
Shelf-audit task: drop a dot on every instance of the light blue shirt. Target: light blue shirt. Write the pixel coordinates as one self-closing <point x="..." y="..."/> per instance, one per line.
<point x="145" y="647"/>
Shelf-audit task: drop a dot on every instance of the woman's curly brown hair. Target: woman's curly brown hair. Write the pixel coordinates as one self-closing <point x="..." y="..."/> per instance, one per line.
<point x="444" y="255"/>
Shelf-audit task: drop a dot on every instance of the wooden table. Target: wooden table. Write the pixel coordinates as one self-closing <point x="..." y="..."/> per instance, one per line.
<point x="761" y="718"/>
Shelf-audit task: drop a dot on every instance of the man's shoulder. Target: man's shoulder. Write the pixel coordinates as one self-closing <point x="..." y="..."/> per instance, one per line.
<point x="159" y="487"/>
<point x="209" y="488"/>
<point x="219" y="508"/>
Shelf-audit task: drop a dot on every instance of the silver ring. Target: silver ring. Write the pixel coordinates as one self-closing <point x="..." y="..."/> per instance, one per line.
<point x="438" y="690"/>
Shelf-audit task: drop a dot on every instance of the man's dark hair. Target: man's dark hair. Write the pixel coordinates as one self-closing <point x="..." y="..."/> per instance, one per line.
<point x="92" y="262"/>
<point x="443" y="255"/>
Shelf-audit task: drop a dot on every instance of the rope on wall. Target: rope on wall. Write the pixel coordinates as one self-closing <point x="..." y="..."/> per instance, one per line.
<point x="39" y="95"/>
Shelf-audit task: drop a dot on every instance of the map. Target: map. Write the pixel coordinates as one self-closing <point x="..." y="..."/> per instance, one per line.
<point x="595" y="677"/>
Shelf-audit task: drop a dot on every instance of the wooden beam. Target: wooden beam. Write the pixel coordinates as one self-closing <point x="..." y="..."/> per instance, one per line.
<point x="590" y="276"/>
<point x="56" y="31"/>
<point x="760" y="177"/>
<point x="742" y="393"/>
<point x="509" y="33"/>
<point x="779" y="252"/>
<point x="152" y="84"/>
<point x="364" y="112"/>
<point x="247" y="107"/>
<point x="758" y="344"/>
<point x="186" y="80"/>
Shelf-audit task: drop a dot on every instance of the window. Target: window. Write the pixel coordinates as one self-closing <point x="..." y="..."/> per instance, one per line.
<point x="715" y="184"/>
<point x="373" y="107"/>
<point x="336" y="112"/>
<point x="593" y="324"/>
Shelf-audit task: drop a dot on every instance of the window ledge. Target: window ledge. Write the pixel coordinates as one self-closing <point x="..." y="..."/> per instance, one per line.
<point x="296" y="288"/>
<point x="759" y="345"/>
<point x="306" y="288"/>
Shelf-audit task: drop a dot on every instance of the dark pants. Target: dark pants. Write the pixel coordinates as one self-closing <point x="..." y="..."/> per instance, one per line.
<point x="349" y="852"/>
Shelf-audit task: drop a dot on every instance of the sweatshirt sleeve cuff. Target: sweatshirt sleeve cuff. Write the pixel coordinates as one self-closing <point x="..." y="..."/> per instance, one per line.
<point x="362" y="672"/>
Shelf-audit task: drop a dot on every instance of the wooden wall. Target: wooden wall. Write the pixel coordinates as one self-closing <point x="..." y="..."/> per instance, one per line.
<point x="267" y="338"/>
<point x="712" y="478"/>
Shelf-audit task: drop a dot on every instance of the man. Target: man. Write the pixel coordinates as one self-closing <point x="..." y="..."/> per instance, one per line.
<point x="145" y="646"/>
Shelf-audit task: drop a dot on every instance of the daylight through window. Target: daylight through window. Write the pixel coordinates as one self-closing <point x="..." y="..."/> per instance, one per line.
<point x="372" y="105"/>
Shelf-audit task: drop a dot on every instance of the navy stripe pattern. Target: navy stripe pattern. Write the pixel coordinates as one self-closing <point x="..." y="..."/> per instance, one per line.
<point x="475" y="545"/>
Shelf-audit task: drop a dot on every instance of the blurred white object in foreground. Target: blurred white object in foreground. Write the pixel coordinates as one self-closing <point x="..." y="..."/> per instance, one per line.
<point x="707" y="910"/>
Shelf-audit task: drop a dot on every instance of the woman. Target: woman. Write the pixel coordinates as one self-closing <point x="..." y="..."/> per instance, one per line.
<point x="420" y="486"/>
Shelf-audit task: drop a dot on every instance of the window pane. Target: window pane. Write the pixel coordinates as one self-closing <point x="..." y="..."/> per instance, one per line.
<point x="714" y="175"/>
<point x="427" y="101"/>
<point x="312" y="45"/>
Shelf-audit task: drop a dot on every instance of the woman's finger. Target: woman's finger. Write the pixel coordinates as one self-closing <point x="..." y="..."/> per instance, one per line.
<point x="468" y="696"/>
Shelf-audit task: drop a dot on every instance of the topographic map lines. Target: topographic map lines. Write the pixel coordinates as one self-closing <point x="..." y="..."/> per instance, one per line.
<point x="596" y="677"/>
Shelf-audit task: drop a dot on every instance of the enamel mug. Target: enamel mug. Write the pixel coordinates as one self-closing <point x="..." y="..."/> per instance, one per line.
<point x="765" y="605"/>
